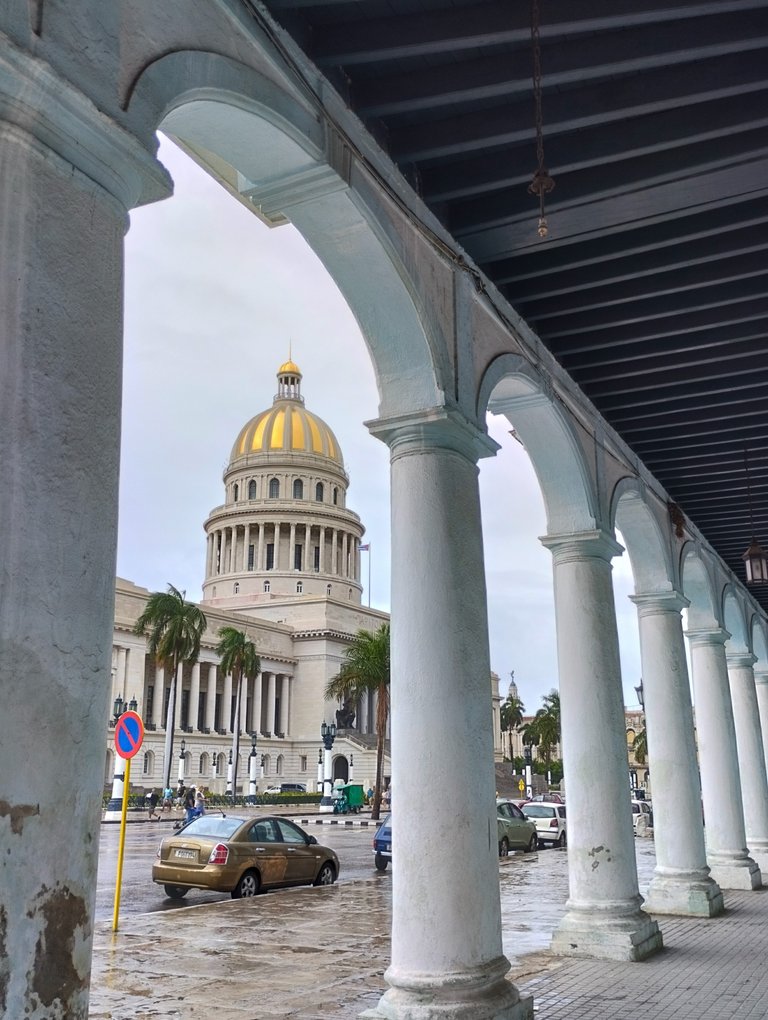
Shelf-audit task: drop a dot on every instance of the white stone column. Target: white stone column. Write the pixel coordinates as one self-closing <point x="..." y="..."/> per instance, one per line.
<point x="283" y="704"/>
<point x="344" y="571"/>
<point x="210" y="697"/>
<point x="749" y="749"/>
<point x="69" y="175"/>
<point x="256" y="706"/>
<point x="225" y="722"/>
<point x="603" y="916"/>
<point x="194" y="696"/>
<point x="334" y="563"/>
<point x="322" y="549"/>
<point x="276" y="527"/>
<point x="447" y="958"/>
<point x="271" y="688"/>
<point x="292" y="546"/>
<point x="727" y="855"/>
<point x="246" y="546"/>
<point x="159" y="698"/>
<point x="179" y="688"/>
<point x="681" y="882"/>
<point x="761" y="687"/>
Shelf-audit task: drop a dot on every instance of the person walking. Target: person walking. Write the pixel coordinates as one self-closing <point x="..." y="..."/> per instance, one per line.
<point x="152" y="799"/>
<point x="189" y="804"/>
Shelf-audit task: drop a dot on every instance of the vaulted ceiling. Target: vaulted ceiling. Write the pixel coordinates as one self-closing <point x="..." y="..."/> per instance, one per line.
<point x="650" y="288"/>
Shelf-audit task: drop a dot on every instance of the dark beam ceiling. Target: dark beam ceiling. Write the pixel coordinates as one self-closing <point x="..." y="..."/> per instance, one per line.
<point x="650" y="289"/>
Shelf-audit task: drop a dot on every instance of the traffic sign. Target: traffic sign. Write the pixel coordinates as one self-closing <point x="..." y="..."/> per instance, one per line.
<point x="521" y="786"/>
<point x="129" y="734"/>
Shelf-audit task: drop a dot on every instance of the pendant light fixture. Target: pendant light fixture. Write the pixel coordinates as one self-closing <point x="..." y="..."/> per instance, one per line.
<point x="542" y="183"/>
<point x="755" y="558"/>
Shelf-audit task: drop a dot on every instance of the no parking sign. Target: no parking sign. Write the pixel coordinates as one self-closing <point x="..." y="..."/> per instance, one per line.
<point x="129" y="734"/>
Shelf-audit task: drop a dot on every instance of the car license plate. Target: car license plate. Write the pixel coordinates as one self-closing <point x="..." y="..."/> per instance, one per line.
<point x="389" y="847"/>
<point x="189" y="854"/>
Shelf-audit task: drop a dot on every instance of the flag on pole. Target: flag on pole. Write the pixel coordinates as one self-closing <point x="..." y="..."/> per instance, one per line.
<point x="365" y="548"/>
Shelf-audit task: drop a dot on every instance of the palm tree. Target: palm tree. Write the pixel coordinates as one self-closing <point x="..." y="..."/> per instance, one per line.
<point x="239" y="657"/>
<point x="512" y="710"/>
<point x="548" y="725"/>
<point x="175" y="628"/>
<point x="640" y="747"/>
<point x="366" y="669"/>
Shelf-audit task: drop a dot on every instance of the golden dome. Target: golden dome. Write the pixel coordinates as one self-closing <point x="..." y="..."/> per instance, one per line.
<point x="287" y="426"/>
<point x="289" y="368"/>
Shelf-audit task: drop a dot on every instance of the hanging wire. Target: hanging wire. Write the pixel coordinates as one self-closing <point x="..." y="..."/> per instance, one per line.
<point x="542" y="183"/>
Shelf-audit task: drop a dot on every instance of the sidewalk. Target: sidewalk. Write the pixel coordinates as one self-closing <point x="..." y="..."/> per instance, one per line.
<point x="320" y="954"/>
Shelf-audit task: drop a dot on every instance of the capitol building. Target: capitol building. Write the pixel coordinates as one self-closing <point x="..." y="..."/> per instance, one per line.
<point x="282" y="563"/>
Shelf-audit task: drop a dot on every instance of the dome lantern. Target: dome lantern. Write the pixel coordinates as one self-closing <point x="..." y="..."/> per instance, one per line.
<point x="289" y="382"/>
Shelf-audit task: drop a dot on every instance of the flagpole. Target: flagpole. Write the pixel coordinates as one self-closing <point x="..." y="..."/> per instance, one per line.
<point x="369" y="575"/>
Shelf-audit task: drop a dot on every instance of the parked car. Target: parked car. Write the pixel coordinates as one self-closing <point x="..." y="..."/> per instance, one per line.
<point x="515" y="831"/>
<point x="550" y="822"/>
<point x="642" y="808"/>
<point x="241" y="856"/>
<point x="382" y="844"/>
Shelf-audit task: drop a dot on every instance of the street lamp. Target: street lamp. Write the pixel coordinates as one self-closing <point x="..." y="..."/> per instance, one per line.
<point x="528" y="756"/>
<point x="252" y="767"/>
<point x="214" y="763"/>
<point x="229" y="778"/>
<point x="114" y="809"/>
<point x="320" y="770"/>
<point x="182" y="762"/>
<point x="328" y="733"/>
<point x="640" y="694"/>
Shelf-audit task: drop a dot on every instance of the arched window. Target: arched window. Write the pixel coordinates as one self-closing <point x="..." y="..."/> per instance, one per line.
<point x="236" y="492"/>
<point x="266" y="586"/>
<point x="203" y="764"/>
<point x="265" y="762"/>
<point x="279" y="765"/>
<point x="298" y="488"/>
<point x="349" y="594"/>
<point x="327" y="589"/>
<point x="251" y="489"/>
<point x="148" y="764"/>
<point x="214" y="591"/>
<point x="236" y="588"/>
<point x="274" y="488"/>
<point x="299" y="588"/>
<point x="319" y="492"/>
<point x="335" y="496"/>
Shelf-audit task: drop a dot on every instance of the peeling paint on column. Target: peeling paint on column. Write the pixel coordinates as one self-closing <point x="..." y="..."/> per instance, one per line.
<point x="5" y="963"/>
<point x="17" y="813"/>
<point x="55" y="982"/>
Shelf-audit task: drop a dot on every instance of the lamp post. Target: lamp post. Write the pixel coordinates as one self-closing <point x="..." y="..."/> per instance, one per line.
<point x="528" y="778"/>
<point x="351" y="768"/>
<point x="261" y="773"/>
<point x="320" y="770"/>
<point x="328" y="733"/>
<point x="182" y="762"/>
<point x="229" y="777"/>
<point x="252" y="787"/>
<point x="114" y="811"/>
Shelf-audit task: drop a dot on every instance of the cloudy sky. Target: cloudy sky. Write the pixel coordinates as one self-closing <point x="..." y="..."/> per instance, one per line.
<point x="213" y="299"/>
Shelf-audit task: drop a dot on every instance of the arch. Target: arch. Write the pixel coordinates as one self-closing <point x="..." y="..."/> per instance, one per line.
<point x="735" y="621"/>
<point x="252" y="489"/>
<point x="236" y="588"/>
<point x="299" y="588"/>
<point x="319" y="492"/>
<point x="279" y="765"/>
<point x="335" y="496"/>
<point x="340" y="768"/>
<point x="221" y="764"/>
<point x="649" y="549"/>
<point x="267" y="586"/>
<point x="235" y="492"/>
<point x="698" y="588"/>
<point x="298" y="488"/>
<point x="511" y="387"/>
<point x="274" y="488"/>
<point x="203" y="764"/>
<point x="759" y="641"/>
<point x="258" y="132"/>
<point x="148" y="764"/>
<point x="265" y="763"/>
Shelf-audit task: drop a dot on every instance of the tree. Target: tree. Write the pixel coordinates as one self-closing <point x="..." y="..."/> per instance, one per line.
<point x="512" y="710"/>
<point x="366" y="669"/>
<point x="239" y="657"/>
<point x="640" y="747"/>
<point x="544" y="728"/>
<point x="175" y="628"/>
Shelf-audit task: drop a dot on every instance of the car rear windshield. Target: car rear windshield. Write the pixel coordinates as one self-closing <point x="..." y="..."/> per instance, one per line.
<point x="538" y="811"/>
<point x="213" y="825"/>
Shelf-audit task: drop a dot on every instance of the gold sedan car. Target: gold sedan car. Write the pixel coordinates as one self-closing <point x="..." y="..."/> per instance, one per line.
<point x="241" y="856"/>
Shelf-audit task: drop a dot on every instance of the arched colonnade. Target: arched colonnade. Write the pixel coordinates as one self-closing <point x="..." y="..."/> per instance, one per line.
<point x="77" y="144"/>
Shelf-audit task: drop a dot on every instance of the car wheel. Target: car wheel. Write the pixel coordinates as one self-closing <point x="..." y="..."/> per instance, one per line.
<point x="533" y="845"/>
<point x="380" y="862"/>
<point x="562" y="840"/>
<point x="326" y="875"/>
<point x="175" y="892"/>
<point x="249" y="885"/>
<point x="504" y="847"/>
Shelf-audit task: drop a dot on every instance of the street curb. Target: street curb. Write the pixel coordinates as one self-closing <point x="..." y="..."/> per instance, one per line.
<point x="362" y="822"/>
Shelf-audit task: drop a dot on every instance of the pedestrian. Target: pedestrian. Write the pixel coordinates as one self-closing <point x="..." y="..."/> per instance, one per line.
<point x="199" y="803"/>
<point x="189" y="804"/>
<point x="167" y="798"/>
<point x="152" y="799"/>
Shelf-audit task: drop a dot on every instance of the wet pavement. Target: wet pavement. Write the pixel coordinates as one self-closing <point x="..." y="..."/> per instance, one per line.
<point x="313" y="954"/>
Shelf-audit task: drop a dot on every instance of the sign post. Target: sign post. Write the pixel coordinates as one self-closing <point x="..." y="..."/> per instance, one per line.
<point x="129" y="735"/>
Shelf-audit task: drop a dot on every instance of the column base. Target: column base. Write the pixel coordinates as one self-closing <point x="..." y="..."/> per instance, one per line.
<point x="598" y="935"/>
<point x="689" y="894"/>
<point x="736" y="873"/>
<point x="325" y="806"/>
<point x="482" y="994"/>
<point x="759" y="854"/>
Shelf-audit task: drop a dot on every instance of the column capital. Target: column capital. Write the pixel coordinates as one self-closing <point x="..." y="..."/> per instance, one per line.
<point x="582" y="545"/>
<point x="741" y="658"/>
<point x="64" y="120"/>
<point x="653" y="603"/>
<point x="438" y="428"/>
<point x="708" y="635"/>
